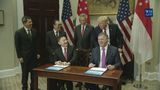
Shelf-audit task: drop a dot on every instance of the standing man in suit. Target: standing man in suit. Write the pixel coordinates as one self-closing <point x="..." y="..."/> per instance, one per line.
<point x="51" y="46"/>
<point x="82" y="39"/>
<point x="25" y="43"/>
<point x="112" y="30"/>
<point x="51" y="39"/>
<point x="65" y="55"/>
<point x="104" y="56"/>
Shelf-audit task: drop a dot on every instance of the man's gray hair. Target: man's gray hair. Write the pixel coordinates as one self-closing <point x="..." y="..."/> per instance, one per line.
<point x="83" y="15"/>
<point x="103" y="34"/>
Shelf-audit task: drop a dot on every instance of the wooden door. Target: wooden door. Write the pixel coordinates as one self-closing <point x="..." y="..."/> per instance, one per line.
<point x="43" y="12"/>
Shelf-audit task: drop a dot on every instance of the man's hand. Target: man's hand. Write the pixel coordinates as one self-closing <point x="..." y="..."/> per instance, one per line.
<point x="120" y="50"/>
<point x="21" y="60"/>
<point x="58" y="62"/>
<point x="38" y="56"/>
<point x="110" y="67"/>
<point x="91" y="65"/>
<point x="65" y="63"/>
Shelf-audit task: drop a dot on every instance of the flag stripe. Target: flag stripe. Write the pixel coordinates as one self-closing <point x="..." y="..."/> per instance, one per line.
<point x="128" y="50"/>
<point x="125" y="31"/>
<point x="129" y="23"/>
<point x="69" y="28"/>
<point x="68" y="25"/>
<point x="68" y="32"/>
<point x="124" y="58"/>
<point x="125" y="25"/>
<point x="71" y="24"/>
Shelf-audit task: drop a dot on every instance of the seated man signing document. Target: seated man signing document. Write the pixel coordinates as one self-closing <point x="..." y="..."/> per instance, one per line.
<point x="65" y="55"/>
<point x="104" y="56"/>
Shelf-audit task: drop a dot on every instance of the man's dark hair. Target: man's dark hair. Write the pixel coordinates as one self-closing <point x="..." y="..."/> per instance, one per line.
<point x="58" y="38"/>
<point x="25" y="18"/>
<point x="54" y="21"/>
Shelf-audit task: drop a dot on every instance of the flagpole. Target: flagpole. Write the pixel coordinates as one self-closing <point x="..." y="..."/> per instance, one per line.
<point x="139" y="83"/>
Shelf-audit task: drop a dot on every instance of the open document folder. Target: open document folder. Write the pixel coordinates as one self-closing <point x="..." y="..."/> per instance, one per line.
<point x="96" y="71"/>
<point x="57" y="67"/>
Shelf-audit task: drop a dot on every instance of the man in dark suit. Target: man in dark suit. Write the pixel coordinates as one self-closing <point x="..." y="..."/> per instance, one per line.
<point x="112" y="30"/>
<point x="51" y="39"/>
<point x="82" y="39"/>
<point x="65" y="55"/>
<point x="104" y="56"/>
<point x="82" y="34"/>
<point x="51" y="46"/>
<point x="25" y="43"/>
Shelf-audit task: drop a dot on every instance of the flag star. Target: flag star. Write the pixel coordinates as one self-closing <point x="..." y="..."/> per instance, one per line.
<point x="85" y="2"/>
<point x="81" y="0"/>
<point x="85" y="8"/>
<point x="146" y="1"/>
<point x="80" y="9"/>
<point x="140" y="4"/>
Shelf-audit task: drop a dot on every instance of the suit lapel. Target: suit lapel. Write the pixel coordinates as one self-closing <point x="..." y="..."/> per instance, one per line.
<point x="108" y="54"/>
<point x="98" y="55"/>
<point x="79" y="30"/>
<point x="25" y="33"/>
<point x="110" y="31"/>
<point x="53" y="36"/>
<point x="68" y="52"/>
<point x="86" y="30"/>
<point x="61" y="54"/>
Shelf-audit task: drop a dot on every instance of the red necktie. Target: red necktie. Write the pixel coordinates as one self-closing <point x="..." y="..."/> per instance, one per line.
<point x="83" y="29"/>
<point x="65" y="53"/>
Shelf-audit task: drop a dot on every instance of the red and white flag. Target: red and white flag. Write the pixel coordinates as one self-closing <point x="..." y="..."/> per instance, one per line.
<point x="141" y="36"/>
<point x="82" y="8"/>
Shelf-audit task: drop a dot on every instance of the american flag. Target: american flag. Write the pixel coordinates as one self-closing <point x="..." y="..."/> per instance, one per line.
<point x="125" y="24"/>
<point x="67" y="20"/>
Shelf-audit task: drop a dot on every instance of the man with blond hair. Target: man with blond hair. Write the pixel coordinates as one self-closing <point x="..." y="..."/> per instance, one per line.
<point x="112" y="30"/>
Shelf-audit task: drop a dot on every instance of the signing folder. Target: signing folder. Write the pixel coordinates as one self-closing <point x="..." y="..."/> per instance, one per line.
<point x="56" y="67"/>
<point x="96" y="71"/>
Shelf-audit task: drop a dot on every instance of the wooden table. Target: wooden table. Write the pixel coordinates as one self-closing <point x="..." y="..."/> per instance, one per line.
<point x="76" y="73"/>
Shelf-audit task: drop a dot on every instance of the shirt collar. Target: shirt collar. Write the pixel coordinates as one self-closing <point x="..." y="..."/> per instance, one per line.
<point x="104" y="47"/>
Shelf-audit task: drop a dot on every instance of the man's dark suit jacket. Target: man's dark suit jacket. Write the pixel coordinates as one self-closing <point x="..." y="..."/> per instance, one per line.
<point x="116" y="37"/>
<point x="85" y="41"/>
<point x="52" y="43"/>
<point x="26" y="47"/>
<point x="71" y="55"/>
<point x="112" y="56"/>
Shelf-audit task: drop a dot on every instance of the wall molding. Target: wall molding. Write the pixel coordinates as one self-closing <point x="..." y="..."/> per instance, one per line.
<point x="10" y="72"/>
<point x="149" y="76"/>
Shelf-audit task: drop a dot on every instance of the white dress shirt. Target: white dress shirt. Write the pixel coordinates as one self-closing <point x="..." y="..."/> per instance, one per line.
<point x="107" y="32"/>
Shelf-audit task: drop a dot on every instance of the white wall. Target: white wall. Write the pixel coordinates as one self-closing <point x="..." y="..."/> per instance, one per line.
<point x="8" y="59"/>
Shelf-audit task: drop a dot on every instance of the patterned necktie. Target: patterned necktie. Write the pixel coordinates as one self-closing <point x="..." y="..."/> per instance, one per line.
<point x="103" y="58"/>
<point x="30" y="35"/>
<point x="65" y="53"/>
